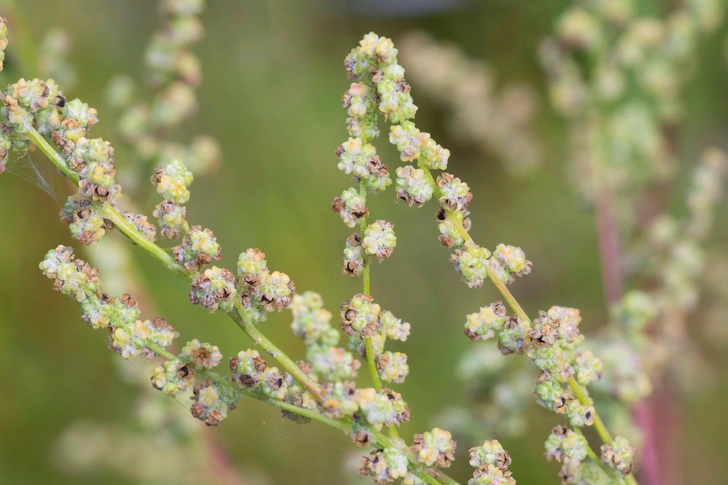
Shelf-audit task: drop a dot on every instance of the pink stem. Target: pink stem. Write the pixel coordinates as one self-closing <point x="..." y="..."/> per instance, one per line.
<point x="609" y="253"/>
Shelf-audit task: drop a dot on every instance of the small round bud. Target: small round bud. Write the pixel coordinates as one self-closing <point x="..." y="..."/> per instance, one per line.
<point x="434" y="448"/>
<point x="394" y="327"/>
<point x="214" y="290"/>
<point x="353" y="256"/>
<point x="392" y="367"/>
<point x="486" y="323"/>
<point x="376" y="408"/>
<point x="412" y="186"/>
<point x="248" y="368"/>
<point x="171" y="218"/>
<point x="199" y="247"/>
<point x="360" y="316"/>
<point x="619" y="455"/>
<point x="350" y="206"/>
<point x="212" y="402"/>
<point x="379" y="239"/>
<point x="202" y="355"/>
<point x="311" y="321"/>
<point x="173" y="377"/>
<point x="172" y="181"/>
<point x="471" y="263"/>
<point x="71" y="276"/>
<point x="252" y="262"/>
<point x="145" y="228"/>
<point x="454" y="193"/>
<point x="276" y="291"/>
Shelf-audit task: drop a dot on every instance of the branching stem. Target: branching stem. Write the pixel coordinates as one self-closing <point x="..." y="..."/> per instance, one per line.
<point x="248" y="327"/>
<point x="580" y="392"/>
<point x="128" y="229"/>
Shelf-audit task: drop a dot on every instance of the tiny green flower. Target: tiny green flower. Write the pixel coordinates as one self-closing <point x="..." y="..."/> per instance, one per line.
<point x="393" y="367"/>
<point x="486" y="323"/>
<point x="619" y="455"/>
<point x="214" y="290"/>
<point x="212" y="402"/>
<point x="173" y="377"/>
<point x="379" y="239"/>
<point x="201" y="355"/>
<point x="412" y="186"/>
<point x="471" y="263"/>
<point x="172" y="181"/>
<point x="199" y="247"/>
<point x="434" y="448"/>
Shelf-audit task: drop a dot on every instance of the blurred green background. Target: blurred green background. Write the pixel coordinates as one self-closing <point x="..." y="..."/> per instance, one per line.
<point x="273" y="78"/>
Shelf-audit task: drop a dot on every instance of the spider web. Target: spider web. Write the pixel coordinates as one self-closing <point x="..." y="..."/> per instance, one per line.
<point x="39" y="174"/>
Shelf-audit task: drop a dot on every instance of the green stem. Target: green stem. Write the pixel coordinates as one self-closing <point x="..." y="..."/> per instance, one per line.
<point x="367" y="290"/>
<point x="271" y="349"/>
<point x="432" y="476"/>
<point x="308" y="413"/>
<point x="583" y="396"/>
<point x="371" y="364"/>
<point x="52" y="154"/>
<point x="510" y="299"/>
<point x="580" y="392"/>
<point x="592" y="454"/>
<point x="380" y="440"/>
<point x="130" y="231"/>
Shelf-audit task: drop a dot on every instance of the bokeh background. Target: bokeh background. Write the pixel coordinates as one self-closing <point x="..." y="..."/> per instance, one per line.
<point x="273" y="78"/>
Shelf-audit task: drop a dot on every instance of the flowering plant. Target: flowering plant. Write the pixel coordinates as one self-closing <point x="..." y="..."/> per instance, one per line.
<point x="320" y="386"/>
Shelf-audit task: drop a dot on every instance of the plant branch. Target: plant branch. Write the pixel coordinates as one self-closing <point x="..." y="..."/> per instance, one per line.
<point x="248" y="327"/>
<point x="128" y="229"/>
<point x="591" y="454"/>
<point x="367" y="290"/>
<point x="308" y="413"/>
<point x="432" y="476"/>
<point x="580" y="392"/>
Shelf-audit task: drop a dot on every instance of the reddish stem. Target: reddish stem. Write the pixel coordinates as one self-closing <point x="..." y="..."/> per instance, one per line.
<point x="609" y="254"/>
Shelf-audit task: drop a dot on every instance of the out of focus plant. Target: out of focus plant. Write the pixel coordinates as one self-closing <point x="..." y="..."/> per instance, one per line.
<point x="497" y="121"/>
<point x="616" y="71"/>
<point x="173" y="75"/>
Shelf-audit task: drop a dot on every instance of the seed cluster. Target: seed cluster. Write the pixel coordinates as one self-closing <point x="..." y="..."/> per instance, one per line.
<point x="129" y="335"/>
<point x="491" y="463"/>
<point x="374" y="66"/>
<point x="261" y="290"/>
<point x="434" y="448"/>
<point x="553" y="343"/>
<point x="569" y="448"/>
<point x="618" y="455"/>
<point x="384" y="465"/>
<point x="311" y="322"/>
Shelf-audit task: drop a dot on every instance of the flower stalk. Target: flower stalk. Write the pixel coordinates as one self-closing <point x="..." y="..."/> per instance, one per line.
<point x="580" y="392"/>
<point x="128" y="229"/>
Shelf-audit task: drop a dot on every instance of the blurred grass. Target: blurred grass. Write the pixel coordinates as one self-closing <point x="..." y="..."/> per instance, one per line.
<point x="271" y="96"/>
